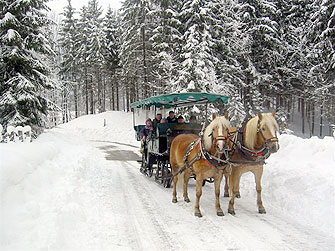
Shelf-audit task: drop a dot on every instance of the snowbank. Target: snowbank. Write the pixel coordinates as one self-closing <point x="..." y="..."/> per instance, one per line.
<point x="299" y="181"/>
<point x="107" y="126"/>
<point x="35" y="182"/>
<point x="45" y="184"/>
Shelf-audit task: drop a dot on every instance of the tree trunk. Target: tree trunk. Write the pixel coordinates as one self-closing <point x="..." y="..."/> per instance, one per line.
<point x="117" y="96"/>
<point x="303" y="115"/>
<point x="91" y="96"/>
<point x="145" y="74"/>
<point x="127" y="99"/>
<point x="308" y="115"/>
<point x="313" y="117"/>
<point x="86" y="90"/>
<point x="113" y="92"/>
<point x="75" y="94"/>
<point x="98" y="77"/>
<point x="321" y="120"/>
<point x="104" y="96"/>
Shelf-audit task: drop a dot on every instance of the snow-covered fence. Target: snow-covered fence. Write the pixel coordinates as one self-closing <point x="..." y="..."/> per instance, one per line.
<point x="15" y="134"/>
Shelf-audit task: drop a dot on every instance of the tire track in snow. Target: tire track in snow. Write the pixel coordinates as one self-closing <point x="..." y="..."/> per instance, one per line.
<point x="150" y="205"/>
<point x="207" y="229"/>
<point x="277" y="231"/>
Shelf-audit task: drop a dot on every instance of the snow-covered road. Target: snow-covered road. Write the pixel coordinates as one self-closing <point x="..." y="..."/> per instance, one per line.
<point x="157" y="224"/>
<point x="74" y="190"/>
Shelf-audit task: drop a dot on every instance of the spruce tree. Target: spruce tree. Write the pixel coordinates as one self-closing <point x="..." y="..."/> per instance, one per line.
<point x="23" y="71"/>
<point x="166" y="38"/>
<point x="197" y="70"/>
<point x="69" y="66"/>
<point x="112" y="36"/>
<point x="262" y="51"/>
<point x="136" y="52"/>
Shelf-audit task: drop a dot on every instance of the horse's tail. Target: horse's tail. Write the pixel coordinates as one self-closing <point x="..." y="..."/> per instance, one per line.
<point x="180" y="182"/>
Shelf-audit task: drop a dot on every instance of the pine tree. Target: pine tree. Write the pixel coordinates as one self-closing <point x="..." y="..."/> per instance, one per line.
<point x="136" y="52"/>
<point x="23" y="73"/>
<point x="321" y="42"/>
<point x="96" y="49"/>
<point x="197" y="70"/>
<point x="112" y="33"/>
<point x="69" y="67"/>
<point x="262" y="51"/>
<point x="166" y="38"/>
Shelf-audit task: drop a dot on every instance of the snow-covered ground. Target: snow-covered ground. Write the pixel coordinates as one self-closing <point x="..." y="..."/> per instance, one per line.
<point x="78" y="187"/>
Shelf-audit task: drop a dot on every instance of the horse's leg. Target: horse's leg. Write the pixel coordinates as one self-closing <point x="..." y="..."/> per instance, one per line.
<point x="175" y="180"/>
<point x="226" y="187"/>
<point x="217" y="183"/>
<point x="198" y="195"/>
<point x="187" y="176"/>
<point x="235" y="187"/>
<point x="258" y="172"/>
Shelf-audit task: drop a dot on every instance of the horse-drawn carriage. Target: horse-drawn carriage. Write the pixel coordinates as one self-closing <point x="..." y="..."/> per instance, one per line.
<point x="157" y="152"/>
<point x="219" y="150"/>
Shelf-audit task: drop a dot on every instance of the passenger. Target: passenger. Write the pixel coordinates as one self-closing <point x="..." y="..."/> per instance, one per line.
<point x="163" y="121"/>
<point x="193" y="119"/>
<point x="157" y="120"/>
<point x="172" y="117"/>
<point x="145" y="131"/>
<point x="181" y="120"/>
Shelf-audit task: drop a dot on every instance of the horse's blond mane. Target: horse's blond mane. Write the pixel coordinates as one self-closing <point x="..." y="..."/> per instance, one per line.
<point x="250" y="137"/>
<point x="218" y="121"/>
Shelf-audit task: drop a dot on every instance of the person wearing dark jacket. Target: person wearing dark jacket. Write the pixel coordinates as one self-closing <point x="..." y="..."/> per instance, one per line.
<point x="145" y="131"/>
<point x="181" y="120"/>
<point x="172" y="117"/>
<point x="157" y="120"/>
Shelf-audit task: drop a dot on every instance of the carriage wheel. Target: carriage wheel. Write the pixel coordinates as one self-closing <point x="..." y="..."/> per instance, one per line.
<point x="143" y="164"/>
<point x="166" y="173"/>
<point x="148" y="167"/>
<point x="159" y="170"/>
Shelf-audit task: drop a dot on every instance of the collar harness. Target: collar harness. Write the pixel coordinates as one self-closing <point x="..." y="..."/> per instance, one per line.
<point x="252" y="156"/>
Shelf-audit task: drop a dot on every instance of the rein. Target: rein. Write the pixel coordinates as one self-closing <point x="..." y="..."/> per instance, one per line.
<point x="211" y="160"/>
<point x="251" y="157"/>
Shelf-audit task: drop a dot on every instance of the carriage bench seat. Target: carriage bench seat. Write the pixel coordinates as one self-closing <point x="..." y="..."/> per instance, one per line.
<point x="162" y="129"/>
<point x="175" y="129"/>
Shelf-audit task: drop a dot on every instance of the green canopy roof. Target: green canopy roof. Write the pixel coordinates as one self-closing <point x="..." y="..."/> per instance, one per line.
<point x="180" y="99"/>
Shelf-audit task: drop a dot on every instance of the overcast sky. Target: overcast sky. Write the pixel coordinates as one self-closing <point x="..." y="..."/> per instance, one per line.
<point x="58" y="5"/>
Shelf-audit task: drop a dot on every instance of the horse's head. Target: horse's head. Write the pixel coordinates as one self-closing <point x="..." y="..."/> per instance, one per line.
<point x="262" y="130"/>
<point x="216" y="134"/>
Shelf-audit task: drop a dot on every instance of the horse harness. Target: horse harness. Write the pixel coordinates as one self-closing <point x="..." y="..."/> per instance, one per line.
<point x="251" y="156"/>
<point x="204" y="154"/>
<point x="236" y="138"/>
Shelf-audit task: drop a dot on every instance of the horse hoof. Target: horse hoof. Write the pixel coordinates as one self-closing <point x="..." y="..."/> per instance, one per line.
<point x="226" y="195"/>
<point x="198" y="215"/>
<point x="174" y="200"/>
<point x="238" y="195"/>
<point x="262" y="211"/>
<point x="187" y="200"/>
<point x="219" y="213"/>
<point x="232" y="212"/>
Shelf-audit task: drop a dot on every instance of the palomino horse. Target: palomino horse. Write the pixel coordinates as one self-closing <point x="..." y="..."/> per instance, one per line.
<point x="258" y="141"/>
<point x="190" y="151"/>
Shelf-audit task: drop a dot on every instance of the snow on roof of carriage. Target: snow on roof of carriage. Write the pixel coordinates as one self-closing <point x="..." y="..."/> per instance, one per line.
<point x="180" y="99"/>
